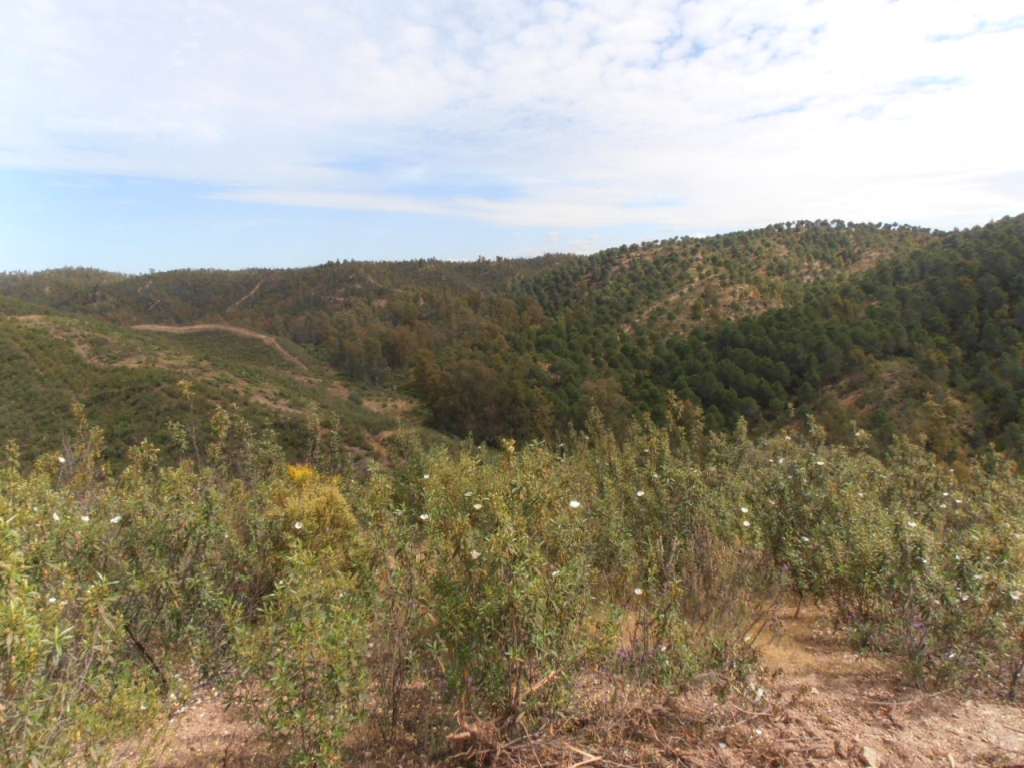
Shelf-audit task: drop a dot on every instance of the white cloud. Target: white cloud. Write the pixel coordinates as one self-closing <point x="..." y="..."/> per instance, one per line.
<point x="704" y="114"/>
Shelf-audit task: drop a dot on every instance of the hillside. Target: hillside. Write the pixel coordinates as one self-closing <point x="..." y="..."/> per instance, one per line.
<point x="890" y="328"/>
<point x="763" y="524"/>
<point x="129" y="380"/>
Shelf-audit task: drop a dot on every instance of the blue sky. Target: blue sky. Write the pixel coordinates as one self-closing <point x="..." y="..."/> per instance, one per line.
<point x="226" y="133"/>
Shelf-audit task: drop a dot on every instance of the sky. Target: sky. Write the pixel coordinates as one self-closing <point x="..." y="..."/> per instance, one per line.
<point x="282" y="133"/>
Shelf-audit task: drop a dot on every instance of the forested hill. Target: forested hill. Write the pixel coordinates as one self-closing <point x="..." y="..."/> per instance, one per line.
<point x="897" y="328"/>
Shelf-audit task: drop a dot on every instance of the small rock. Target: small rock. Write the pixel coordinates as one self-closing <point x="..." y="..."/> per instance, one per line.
<point x="869" y="757"/>
<point x="840" y="749"/>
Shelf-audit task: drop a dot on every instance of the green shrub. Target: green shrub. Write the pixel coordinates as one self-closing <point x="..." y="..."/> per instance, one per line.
<point x="482" y="582"/>
<point x="303" y="667"/>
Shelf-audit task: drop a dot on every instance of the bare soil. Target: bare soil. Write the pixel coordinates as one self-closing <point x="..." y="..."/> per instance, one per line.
<point x="818" y="704"/>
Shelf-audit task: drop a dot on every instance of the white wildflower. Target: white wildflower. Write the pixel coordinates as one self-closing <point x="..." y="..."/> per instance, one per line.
<point x="574" y="504"/>
<point x="638" y="591"/>
<point x="639" y="494"/>
<point x="298" y="525"/>
<point x="1015" y="595"/>
<point x="52" y="600"/>
<point x="56" y="517"/>
<point x="746" y="523"/>
<point x="744" y="510"/>
<point x="424" y="516"/>
<point x="115" y="519"/>
<point x="911" y="524"/>
<point x="474" y="554"/>
<point x="61" y="459"/>
<point x="426" y="477"/>
<point x="478" y="506"/>
<point x="820" y="463"/>
<point x="556" y="571"/>
<point x="804" y="539"/>
<point x="467" y="494"/>
<point x="85" y="518"/>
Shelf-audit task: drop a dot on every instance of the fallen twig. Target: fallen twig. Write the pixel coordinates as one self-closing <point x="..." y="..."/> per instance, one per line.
<point x="589" y="757"/>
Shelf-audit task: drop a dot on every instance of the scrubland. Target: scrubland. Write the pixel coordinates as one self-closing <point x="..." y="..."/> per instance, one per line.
<point x="462" y="598"/>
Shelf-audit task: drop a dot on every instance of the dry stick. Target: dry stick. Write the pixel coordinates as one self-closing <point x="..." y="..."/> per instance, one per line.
<point x="750" y="714"/>
<point x="579" y="751"/>
<point x="689" y="758"/>
<point x="821" y="745"/>
<point x="1000" y="746"/>
<point x="916" y="699"/>
<point x="547" y="679"/>
<point x="525" y="737"/>
<point x="142" y="649"/>
<point x="533" y="748"/>
<point x="592" y="758"/>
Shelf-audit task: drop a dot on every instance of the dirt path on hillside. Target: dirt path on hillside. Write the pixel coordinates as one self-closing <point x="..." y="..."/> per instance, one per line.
<point x="821" y="705"/>
<point x="270" y="341"/>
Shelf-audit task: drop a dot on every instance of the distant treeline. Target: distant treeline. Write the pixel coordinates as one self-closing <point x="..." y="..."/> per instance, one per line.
<point x="894" y="328"/>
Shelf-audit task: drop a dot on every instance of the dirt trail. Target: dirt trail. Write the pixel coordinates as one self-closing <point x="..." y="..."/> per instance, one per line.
<point x="249" y="295"/>
<point x="270" y="341"/>
<point x="833" y="706"/>
<point x="823" y="706"/>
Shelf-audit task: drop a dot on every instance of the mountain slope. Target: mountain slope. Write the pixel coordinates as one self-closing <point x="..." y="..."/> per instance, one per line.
<point x="898" y="328"/>
<point x="128" y="379"/>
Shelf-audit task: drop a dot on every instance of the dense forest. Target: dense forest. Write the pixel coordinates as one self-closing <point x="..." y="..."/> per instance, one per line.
<point x="885" y="328"/>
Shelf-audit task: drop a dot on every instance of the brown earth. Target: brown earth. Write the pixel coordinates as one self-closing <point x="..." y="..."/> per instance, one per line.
<point x="818" y="704"/>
